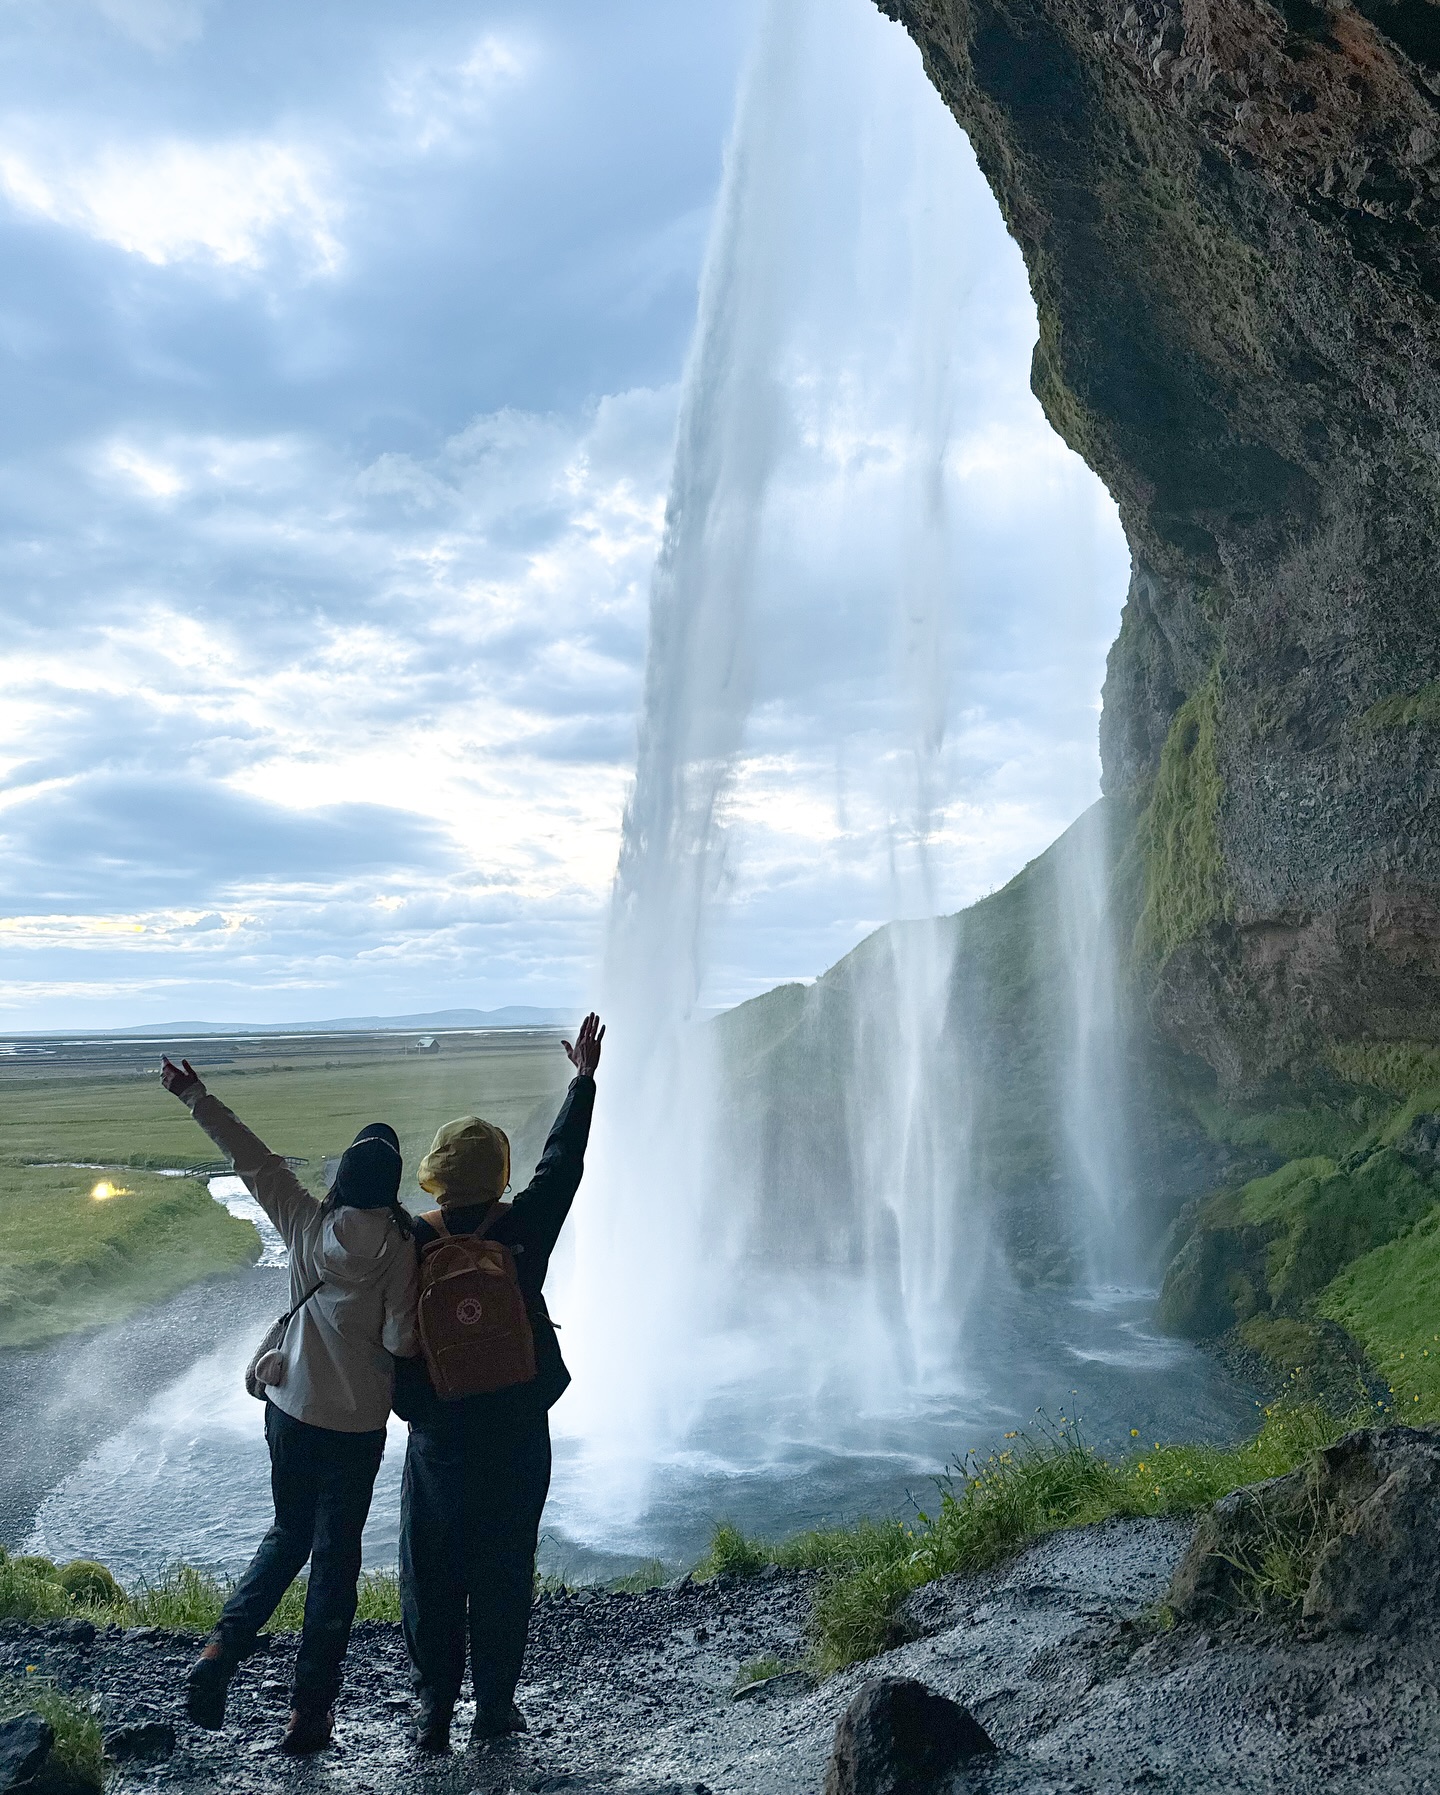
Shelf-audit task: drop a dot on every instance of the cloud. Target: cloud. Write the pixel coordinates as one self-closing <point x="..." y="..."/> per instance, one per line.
<point x="234" y="204"/>
<point x="326" y="599"/>
<point x="92" y="837"/>
<point x="439" y="98"/>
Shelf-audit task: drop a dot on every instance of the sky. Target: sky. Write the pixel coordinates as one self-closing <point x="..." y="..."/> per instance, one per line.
<point x="343" y="349"/>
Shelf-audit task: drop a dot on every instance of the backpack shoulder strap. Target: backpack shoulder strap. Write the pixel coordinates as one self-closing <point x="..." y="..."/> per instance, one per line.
<point x="498" y="1211"/>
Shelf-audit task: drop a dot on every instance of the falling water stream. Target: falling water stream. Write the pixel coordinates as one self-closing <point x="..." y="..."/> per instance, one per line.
<point x="782" y="1363"/>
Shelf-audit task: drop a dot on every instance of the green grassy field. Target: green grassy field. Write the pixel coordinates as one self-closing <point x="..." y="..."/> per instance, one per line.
<point x="305" y="1109"/>
<point x="68" y="1261"/>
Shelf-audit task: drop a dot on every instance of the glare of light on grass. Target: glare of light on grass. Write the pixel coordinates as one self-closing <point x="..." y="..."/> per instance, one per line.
<point x="104" y="1190"/>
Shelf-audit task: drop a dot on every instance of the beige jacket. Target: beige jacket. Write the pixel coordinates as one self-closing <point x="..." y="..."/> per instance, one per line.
<point x="337" y="1370"/>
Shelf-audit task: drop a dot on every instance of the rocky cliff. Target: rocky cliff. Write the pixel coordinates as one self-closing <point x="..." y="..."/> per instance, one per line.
<point x="1228" y="210"/>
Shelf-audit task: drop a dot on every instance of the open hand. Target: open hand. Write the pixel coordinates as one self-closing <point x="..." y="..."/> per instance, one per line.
<point x="177" y="1079"/>
<point x="585" y="1053"/>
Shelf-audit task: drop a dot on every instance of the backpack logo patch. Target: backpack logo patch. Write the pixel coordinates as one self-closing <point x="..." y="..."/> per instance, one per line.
<point x="469" y="1312"/>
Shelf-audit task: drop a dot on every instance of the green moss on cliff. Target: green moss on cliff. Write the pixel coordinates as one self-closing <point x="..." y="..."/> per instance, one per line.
<point x="1390" y="1302"/>
<point x="1405" y="1068"/>
<point x="1273" y="1246"/>
<point x="1297" y="1130"/>
<point x="1187" y="887"/>
<point x="1406" y="710"/>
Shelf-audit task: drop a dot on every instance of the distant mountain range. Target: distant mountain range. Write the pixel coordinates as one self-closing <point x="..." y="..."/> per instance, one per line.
<point x="512" y="1016"/>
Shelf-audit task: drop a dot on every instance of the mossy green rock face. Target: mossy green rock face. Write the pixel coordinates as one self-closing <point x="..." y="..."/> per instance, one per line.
<point x="1277" y="1243"/>
<point x="1231" y="223"/>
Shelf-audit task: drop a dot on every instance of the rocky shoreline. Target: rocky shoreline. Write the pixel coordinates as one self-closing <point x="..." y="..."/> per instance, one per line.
<point x="1062" y="1655"/>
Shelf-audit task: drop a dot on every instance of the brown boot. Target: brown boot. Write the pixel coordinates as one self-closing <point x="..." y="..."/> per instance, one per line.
<point x="309" y="1729"/>
<point x="207" y="1685"/>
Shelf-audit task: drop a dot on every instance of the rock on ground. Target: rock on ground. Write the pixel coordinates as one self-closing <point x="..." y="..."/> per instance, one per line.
<point x="25" y="1744"/>
<point x="899" y="1738"/>
<point x="1354" y="1534"/>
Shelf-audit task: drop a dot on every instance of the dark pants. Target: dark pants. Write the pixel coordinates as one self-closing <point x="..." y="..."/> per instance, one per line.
<point x="469" y="1522"/>
<point x="321" y="1481"/>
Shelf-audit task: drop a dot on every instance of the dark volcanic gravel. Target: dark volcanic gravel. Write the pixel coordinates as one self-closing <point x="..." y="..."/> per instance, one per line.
<point x="612" y="1682"/>
<point x="1057" y="1653"/>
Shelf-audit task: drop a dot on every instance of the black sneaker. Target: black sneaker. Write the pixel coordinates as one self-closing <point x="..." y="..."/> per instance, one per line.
<point x="495" y="1723"/>
<point x="208" y="1682"/>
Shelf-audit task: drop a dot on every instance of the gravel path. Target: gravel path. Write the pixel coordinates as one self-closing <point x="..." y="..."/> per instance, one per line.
<point x="1057" y="1654"/>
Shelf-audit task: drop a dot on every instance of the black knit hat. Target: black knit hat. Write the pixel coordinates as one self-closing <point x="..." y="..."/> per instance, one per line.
<point x="368" y="1176"/>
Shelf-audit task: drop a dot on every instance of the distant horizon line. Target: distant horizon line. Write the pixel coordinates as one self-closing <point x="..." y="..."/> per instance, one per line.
<point x="507" y="1016"/>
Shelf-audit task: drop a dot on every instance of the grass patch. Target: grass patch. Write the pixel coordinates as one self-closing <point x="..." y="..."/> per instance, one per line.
<point x="68" y="1260"/>
<point x="185" y="1599"/>
<point x="1047" y="1480"/>
<point x="1187" y="887"/>
<point x="1405" y="710"/>
<point x="1390" y="1301"/>
<point x="79" y="1746"/>
<point x="649" y="1575"/>
<point x="759" y="1670"/>
<point x="305" y="1110"/>
<point x="30" y="1591"/>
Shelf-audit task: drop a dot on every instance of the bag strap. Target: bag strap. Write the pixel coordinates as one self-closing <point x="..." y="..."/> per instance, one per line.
<point x="303" y="1300"/>
<point x="436" y="1219"/>
<point x="497" y="1211"/>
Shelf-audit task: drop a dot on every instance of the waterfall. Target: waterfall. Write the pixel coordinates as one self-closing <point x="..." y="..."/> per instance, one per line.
<point x="752" y="1269"/>
<point x="1096" y="1074"/>
<point x="637" y="1237"/>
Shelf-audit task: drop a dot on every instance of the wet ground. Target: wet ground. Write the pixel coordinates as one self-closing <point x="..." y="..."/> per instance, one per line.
<point x="1057" y="1653"/>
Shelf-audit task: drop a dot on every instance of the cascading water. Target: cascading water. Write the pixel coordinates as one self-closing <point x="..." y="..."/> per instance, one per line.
<point x="637" y="1237"/>
<point x="659" y="1219"/>
<point x="720" y="1310"/>
<point x="1097" y="1075"/>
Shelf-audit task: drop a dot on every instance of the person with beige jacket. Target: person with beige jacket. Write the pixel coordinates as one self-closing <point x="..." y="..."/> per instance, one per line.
<point x="328" y="1388"/>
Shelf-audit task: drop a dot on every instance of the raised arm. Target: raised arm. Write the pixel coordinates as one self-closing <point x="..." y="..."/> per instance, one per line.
<point x="542" y="1206"/>
<point x="267" y="1177"/>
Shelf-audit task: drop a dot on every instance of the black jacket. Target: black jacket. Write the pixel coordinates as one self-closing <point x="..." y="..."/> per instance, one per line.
<point x="529" y="1225"/>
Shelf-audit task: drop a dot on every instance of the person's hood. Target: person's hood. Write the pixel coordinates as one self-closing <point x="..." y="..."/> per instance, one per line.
<point x="356" y="1245"/>
<point x="468" y="1162"/>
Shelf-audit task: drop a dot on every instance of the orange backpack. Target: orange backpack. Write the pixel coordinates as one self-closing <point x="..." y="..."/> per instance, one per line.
<point x="474" y="1328"/>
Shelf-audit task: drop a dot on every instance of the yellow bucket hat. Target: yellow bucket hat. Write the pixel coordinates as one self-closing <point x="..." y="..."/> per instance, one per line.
<point x="468" y="1162"/>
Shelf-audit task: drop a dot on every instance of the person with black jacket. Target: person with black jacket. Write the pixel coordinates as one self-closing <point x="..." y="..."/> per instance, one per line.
<point x="477" y="1469"/>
